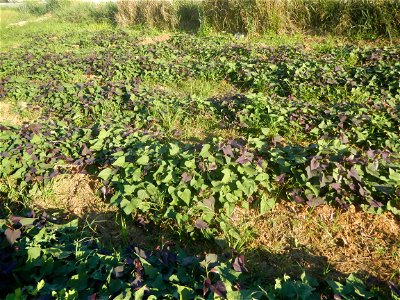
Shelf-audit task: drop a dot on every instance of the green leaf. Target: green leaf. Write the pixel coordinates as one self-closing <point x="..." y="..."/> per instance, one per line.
<point x="227" y="176"/>
<point x="120" y="162"/>
<point x="142" y="194"/>
<point x="27" y="221"/>
<point x="266" y="203"/>
<point x="395" y="176"/>
<point x="185" y="195"/>
<point x="139" y="294"/>
<point x="103" y="134"/>
<point x="143" y="160"/>
<point x="205" y="151"/>
<point x="105" y="174"/>
<point x="33" y="253"/>
<point x="78" y="281"/>
<point x="174" y="149"/>
<point x="391" y="206"/>
<point x="185" y="292"/>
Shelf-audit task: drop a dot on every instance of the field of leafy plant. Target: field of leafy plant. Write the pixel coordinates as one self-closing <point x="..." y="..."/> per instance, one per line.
<point x="182" y="131"/>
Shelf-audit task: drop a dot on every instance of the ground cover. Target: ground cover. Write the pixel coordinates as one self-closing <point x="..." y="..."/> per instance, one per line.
<point x="288" y="154"/>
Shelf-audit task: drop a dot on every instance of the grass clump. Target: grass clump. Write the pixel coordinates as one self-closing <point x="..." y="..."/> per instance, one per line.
<point x="73" y="11"/>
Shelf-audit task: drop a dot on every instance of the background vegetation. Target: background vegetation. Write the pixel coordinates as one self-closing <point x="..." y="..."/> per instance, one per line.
<point x="356" y="17"/>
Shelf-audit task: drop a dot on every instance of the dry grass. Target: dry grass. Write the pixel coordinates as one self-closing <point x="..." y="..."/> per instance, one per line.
<point x="155" y="39"/>
<point x="159" y="14"/>
<point x="77" y="196"/>
<point x="293" y="237"/>
<point x="378" y="17"/>
<point x="16" y="115"/>
<point x="73" y="193"/>
<point x="7" y="116"/>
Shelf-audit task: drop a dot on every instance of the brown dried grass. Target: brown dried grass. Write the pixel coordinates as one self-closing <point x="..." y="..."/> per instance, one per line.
<point x="325" y="238"/>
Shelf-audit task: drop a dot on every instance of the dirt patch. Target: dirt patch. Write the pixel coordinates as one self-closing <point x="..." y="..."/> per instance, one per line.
<point x="7" y="115"/>
<point x="73" y="193"/>
<point x="326" y="240"/>
<point x="23" y="23"/>
<point x="76" y="195"/>
<point x="155" y="39"/>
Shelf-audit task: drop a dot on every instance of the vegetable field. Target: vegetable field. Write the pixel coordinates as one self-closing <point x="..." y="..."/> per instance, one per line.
<point x="182" y="131"/>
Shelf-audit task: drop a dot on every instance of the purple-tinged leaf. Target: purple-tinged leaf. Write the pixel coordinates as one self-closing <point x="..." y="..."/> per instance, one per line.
<point x="353" y="173"/>
<point x="128" y="261"/>
<point x="375" y="204"/>
<point x="91" y="297"/>
<point x="90" y="160"/>
<point x="342" y="203"/>
<point x="343" y="118"/>
<point x="186" y="177"/>
<point x="219" y="289"/>
<point x="15" y="219"/>
<point x="277" y="140"/>
<point x="238" y="264"/>
<point x="394" y="288"/>
<point x="54" y="174"/>
<point x="206" y="286"/>
<point x="212" y="167"/>
<point x="245" y="157"/>
<point x="200" y="224"/>
<point x="314" y="163"/>
<point x="343" y="138"/>
<point x="209" y="202"/>
<point x="214" y="270"/>
<point x="142" y="253"/>
<point x="385" y="155"/>
<point x="167" y="257"/>
<point x="141" y="221"/>
<point x="201" y="166"/>
<point x="298" y="199"/>
<point x="118" y="271"/>
<point x="227" y="149"/>
<point x="315" y="201"/>
<point x="310" y="173"/>
<point x="139" y="270"/>
<point x="336" y="186"/>
<point x="85" y="150"/>
<point x="235" y="144"/>
<point x="371" y="153"/>
<point x="260" y="161"/>
<point x="281" y="178"/>
<point x="137" y="283"/>
<point x="324" y="180"/>
<point x="12" y="235"/>
<point x="362" y="191"/>
<point x="35" y="128"/>
<point x="28" y="177"/>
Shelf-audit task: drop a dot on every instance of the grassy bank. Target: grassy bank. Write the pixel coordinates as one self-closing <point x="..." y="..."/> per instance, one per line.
<point x="364" y="18"/>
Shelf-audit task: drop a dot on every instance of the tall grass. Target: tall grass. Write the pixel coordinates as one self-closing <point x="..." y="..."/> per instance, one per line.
<point x="73" y="11"/>
<point x="342" y="17"/>
<point x="339" y="17"/>
<point x="162" y="14"/>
